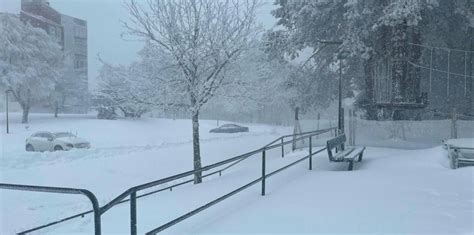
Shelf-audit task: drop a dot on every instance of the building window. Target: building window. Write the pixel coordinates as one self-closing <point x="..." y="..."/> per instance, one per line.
<point x="79" y="64"/>
<point x="80" y="43"/>
<point x="80" y="32"/>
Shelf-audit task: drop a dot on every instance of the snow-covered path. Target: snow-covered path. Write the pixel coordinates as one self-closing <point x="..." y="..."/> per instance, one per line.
<point x="391" y="192"/>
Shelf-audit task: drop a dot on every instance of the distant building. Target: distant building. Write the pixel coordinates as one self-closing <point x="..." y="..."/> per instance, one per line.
<point x="75" y="43"/>
<point x="75" y="40"/>
<point x="40" y="14"/>
<point x="71" y="34"/>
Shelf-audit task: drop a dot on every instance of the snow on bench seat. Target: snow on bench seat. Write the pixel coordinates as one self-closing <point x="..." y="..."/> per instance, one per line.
<point x="460" y="151"/>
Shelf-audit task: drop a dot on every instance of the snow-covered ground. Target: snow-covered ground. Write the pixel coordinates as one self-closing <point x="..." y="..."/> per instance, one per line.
<point x="392" y="191"/>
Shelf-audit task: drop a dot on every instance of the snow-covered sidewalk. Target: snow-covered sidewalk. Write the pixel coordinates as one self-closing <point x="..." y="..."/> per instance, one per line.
<point x="392" y="191"/>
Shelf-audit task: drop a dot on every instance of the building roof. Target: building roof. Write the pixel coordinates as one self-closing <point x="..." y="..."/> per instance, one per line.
<point x="41" y="18"/>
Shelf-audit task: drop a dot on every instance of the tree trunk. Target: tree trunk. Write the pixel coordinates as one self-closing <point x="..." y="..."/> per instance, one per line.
<point x="296" y="128"/>
<point x="56" y="109"/>
<point x="25" y="106"/>
<point x="196" y="148"/>
<point x="26" y="111"/>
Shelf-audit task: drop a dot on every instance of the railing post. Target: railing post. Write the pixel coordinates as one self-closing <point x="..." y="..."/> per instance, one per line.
<point x="133" y="213"/>
<point x="282" y="148"/>
<point x="310" y="153"/>
<point x="97" y="214"/>
<point x="263" y="172"/>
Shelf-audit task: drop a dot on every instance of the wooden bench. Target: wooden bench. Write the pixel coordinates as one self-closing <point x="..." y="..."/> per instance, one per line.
<point x="460" y="156"/>
<point x="343" y="154"/>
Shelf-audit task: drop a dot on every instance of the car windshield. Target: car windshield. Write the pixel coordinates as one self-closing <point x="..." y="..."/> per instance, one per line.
<point x="63" y="134"/>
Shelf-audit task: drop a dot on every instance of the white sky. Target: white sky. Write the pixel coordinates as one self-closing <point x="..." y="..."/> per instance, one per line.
<point x="104" y="28"/>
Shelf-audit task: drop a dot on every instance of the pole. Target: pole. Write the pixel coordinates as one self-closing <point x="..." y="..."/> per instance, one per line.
<point x="431" y="69"/>
<point x="310" y="153"/>
<point x="263" y="173"/>
<point x="133" y="213"/>
<point x="317" y="125"/>
<point x="350" y="127"/>
<point x="6" y="111"/>
<point x="282" y="148"/>
<point x="340" y="96"/>
<point x="449" y="73"/>
<point x="341" y="130"/>
<point x="465" y="73"/>
<point x="354" y="127"/>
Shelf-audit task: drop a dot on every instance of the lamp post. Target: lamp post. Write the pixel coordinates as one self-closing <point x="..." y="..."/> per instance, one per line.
<point x="340" y="124"/>
<point x="6" y="109"/>
<point x="342" y="55"/>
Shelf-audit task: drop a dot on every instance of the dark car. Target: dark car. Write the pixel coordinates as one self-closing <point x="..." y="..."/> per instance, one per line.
<point x="230" y="128"/>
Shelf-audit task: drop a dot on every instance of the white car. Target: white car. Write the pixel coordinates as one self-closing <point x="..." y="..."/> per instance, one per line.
<point x="47" y="141"/>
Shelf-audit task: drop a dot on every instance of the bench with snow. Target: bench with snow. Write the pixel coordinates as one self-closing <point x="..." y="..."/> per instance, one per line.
<point x="460" y="152"/>
<point x="343" y="154"/>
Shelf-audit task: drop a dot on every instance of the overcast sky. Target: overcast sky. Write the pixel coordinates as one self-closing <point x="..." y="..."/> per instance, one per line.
<point x="104" y="28"/>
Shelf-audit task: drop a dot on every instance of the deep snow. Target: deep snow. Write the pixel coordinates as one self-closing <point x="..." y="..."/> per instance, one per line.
<point x="392" y="191"/>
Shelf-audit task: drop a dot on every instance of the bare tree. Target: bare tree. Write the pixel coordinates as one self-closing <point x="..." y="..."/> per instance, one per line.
<point x="203" y="37"/>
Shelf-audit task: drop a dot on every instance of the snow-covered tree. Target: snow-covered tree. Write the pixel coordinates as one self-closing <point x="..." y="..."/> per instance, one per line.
<point x="254" y="79"/>
<point x="372" y="31"/>
<point x="161" y="86"/>
<point x="67" y="84"/>
<point x="121" y="88"/>
<point x="203" y="37"/>
<point x="29" y="61"/>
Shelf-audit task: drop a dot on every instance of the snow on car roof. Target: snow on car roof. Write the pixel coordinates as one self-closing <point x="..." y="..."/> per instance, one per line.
<point x="225" y="125"/>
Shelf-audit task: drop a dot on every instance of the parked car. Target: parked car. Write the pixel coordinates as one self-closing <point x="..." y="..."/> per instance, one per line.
<point x="47" y="141"/>
<point x="230" y="128"/>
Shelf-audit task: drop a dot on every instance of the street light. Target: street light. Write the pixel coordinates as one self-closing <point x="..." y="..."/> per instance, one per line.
<point x="6" y="108"/>
<point x="342" y="55"/>
<point x="340" y="124"/>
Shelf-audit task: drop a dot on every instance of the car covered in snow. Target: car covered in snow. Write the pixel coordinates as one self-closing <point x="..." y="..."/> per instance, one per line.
<point x="57" y="141"/>
<point x="230" y="128"/>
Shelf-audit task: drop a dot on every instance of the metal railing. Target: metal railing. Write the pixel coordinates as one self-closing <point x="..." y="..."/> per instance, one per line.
<point x="45" y="189"/>
<point x="282" y="140"/>
<point x="131" y="193"/>
<point x="261" y="179"/>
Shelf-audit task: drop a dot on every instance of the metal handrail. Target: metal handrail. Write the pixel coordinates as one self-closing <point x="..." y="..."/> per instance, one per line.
<point x="215" y="201"/>
<point x="47" y="189"/>
<point x="281" y="138"/>
<point x="262" y="179"/>
<point x="131" y="192"/>
<point x="205" y="168"/>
